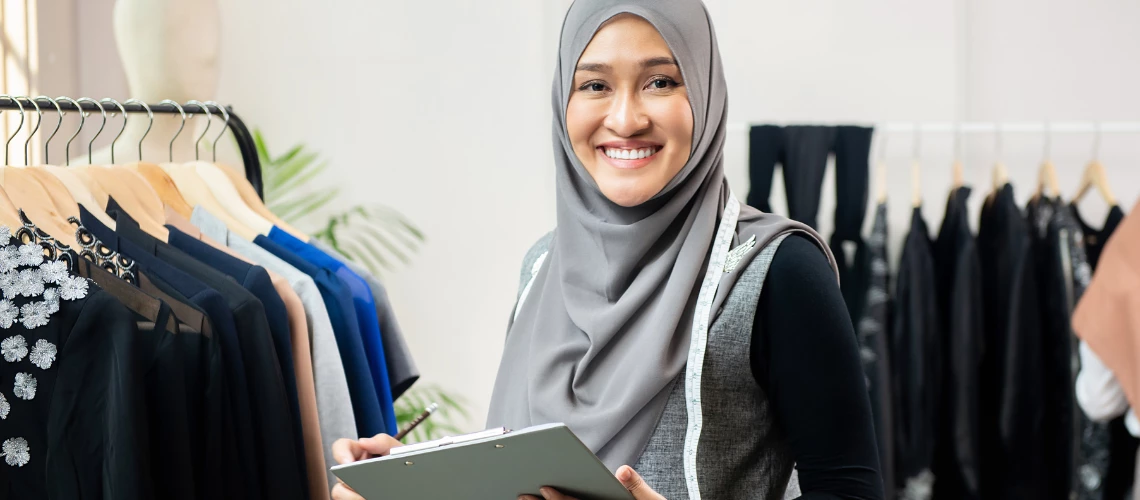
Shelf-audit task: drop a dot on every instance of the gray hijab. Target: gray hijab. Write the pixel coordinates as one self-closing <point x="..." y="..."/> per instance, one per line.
<point x="605" y="331"/>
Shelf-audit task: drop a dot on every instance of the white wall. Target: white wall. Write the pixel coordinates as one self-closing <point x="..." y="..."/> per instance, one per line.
<point x="442" y="111"/>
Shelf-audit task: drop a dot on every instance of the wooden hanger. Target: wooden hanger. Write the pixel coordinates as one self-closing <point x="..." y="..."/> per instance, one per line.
<point x="196" y="192"/>
<point x="916" y="184"/>
<point x="154" y="175"/>
<point x="1047" y="182"/>
<point x="228" y="197"/>
<point x="254" y="202"/>
<point x="9" y="215"/>
<point x="26" y="192"/>
<point x="956" y="177"/>
<point x="881" y="182"/>
<point x="1095" y="176"/>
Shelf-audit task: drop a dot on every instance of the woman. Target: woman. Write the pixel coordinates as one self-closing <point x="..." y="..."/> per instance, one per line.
<point x="635" y="305"/>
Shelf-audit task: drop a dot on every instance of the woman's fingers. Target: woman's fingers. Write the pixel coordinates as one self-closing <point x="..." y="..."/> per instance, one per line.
<point x="347" y="451"/>
<point x="549" y="493"/>
<point x="380" y="444"/>
<point x="342" y="492"/>
<point x="633" y="482"/>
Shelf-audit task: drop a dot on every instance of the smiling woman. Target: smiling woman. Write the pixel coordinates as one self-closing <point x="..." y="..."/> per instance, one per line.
<point x="629" y="118"/>
<point x="699" y="347"/>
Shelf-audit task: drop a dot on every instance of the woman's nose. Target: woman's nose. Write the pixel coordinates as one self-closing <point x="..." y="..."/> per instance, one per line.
<point x="627" y="118"/>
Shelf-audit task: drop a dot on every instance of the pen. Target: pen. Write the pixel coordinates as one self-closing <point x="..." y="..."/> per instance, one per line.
<point x="419" y="420"/>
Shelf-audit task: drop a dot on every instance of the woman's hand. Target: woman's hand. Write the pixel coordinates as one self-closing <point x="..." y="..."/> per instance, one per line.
<point x="348" y="451"/>
<point x="628" y="477"/>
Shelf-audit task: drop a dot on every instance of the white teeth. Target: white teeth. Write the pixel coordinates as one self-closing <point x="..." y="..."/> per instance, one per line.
<point x="630" y="154"/>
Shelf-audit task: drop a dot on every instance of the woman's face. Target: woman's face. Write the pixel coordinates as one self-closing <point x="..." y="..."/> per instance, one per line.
<point x="629" y="118"/>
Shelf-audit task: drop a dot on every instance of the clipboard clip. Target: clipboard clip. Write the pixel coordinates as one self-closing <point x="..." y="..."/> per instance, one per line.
<point x="447" y="441"/>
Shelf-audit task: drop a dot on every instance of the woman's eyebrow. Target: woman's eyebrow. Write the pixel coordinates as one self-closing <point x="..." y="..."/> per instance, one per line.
<point x="648" y="63"/>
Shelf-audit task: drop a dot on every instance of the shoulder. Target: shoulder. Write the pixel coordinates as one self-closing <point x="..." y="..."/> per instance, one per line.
<point x="540" y="248"/>
<point x="800" y="279"/>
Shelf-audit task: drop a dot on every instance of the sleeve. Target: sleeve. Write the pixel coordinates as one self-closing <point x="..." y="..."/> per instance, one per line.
<point x="1098" y="392"/>
<point x="806" y="356"/>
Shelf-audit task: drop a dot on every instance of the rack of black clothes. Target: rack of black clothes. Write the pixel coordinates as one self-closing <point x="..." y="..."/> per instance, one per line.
<point x="970" y="358"/>
<point x="156" y="345"/>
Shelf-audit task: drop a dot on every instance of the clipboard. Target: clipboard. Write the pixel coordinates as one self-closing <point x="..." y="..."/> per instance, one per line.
<point x="495" y="464"/>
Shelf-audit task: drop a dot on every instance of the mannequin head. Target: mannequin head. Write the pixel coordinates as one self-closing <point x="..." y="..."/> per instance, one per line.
<point x="169" y="48"/>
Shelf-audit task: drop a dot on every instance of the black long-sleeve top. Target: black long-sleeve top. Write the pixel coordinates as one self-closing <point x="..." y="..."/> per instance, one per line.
<point x="805" y="355"/>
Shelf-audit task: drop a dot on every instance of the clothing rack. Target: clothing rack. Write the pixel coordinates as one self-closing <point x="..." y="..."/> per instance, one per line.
<point x="244" y="139"/>
<point x="1039" y="127"/>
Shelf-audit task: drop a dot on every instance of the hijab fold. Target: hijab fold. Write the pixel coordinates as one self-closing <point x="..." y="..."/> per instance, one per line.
<point x="605" y="330"/>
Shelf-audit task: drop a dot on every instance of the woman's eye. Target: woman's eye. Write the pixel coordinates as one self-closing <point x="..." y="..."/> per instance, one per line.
<point x="662" y="83"/>
<point x="593" y="87"/>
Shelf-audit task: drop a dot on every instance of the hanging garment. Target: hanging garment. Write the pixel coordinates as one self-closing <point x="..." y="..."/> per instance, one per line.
<point x="96" y="239"/>
<point x="334" y="404"/>
<point x="265" y="391"/>
<point x="342" y="315"/>
<point x="958" y="280"/>
<point x="1079" y="447"/>
<point x="914" y="355"/>
<point x="803" y="151"/>
<point x="873" y="348"/>
<point x="365" y="307"/>
<point x="402" y="370"/>
<point x="1119" y="479"/>
<point x="72" y="405"/>
<point x="1013" y="399"/>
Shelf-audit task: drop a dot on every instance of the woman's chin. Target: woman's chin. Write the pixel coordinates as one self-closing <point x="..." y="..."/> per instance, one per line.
<point x="627" y="197"/>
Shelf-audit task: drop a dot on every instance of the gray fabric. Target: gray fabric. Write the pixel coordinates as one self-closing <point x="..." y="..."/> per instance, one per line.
<point x="334" y="404"/>
<point x="402" y="370"/>
<point x="741" y="454"/>
<point x="615" y="298"/>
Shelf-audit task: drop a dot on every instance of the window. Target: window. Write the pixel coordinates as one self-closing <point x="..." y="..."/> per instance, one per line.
<point x="18" y="70"/>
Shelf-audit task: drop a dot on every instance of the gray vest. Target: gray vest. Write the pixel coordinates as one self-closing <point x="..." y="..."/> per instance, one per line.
<point x="741" y="453"/>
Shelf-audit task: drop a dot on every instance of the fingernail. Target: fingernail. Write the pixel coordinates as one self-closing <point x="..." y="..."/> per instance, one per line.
<point x="624" y="474"/>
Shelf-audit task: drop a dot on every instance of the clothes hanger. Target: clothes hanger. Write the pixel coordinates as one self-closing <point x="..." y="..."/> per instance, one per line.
<point x="99" y="197"/>
<point x="60" y="197"/>
<point x="1047" y="174"/>
<point x="1000" y="173"/>
<point x="221" y="186"/>
<point x="247" y="192"/>
<point x="154" y="175"/>
<point x="130" y="190"/>
<point x="29" y="195"/>
<point x="916" y="171"/>
<point x="67" y="190"/>
<point x="956" y="176"/>
<point x="1095" y="176"/>
<point x="881" y="173"/>
<point x="194" y="189"/>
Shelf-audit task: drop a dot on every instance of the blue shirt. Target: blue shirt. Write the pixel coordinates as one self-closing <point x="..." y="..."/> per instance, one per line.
<point x="342" y="314"/>
<point x="367" y="321"/>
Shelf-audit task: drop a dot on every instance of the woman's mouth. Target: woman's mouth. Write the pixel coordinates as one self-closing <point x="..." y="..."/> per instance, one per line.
<point x="629" y="158"/>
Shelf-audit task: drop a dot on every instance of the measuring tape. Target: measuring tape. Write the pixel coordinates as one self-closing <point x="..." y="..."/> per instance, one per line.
<point x="700" y="338"/>
<point x="700" y="335"/>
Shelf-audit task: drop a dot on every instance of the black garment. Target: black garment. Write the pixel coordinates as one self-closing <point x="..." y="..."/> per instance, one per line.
<point x="806" y="357"/>
<point x="803" y="152"/>
<point x="241" y="469"/>
<point x="276" y="457"/>
<point x="256" y="280"/>
<point x="166" y="399"/>
<point x="82" y="430"/>
<point x="959" y="283"/>
<point x="1123" y="446"/>
<point x="873" y="348"/>
<point x="915" y="339"/>
<point x="1013" y="399"/>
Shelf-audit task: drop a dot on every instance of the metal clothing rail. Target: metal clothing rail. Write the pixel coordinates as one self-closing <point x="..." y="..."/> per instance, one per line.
<point x="244" y="139"/>
<point x="1069" y="127"/>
